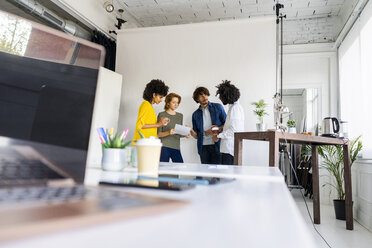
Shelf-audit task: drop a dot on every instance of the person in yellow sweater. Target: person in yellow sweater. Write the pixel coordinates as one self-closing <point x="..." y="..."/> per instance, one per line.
<point x="147" y="121"/>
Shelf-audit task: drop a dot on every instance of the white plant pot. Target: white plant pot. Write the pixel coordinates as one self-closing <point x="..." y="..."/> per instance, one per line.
<point x="114" y="159"/>
<point x="292" y="130"/>
<point x="261" y="127"/>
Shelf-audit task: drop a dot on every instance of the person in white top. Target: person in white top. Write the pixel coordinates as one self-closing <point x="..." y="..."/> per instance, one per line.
<point x="229" y="94"/>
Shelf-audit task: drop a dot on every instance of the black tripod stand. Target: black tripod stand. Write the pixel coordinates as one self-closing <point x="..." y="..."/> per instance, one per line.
<point x="279" y="20"/>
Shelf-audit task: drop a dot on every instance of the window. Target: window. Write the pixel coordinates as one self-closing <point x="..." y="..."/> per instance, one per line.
<point x="15" y="34"/>
<point x="355" y="66"/>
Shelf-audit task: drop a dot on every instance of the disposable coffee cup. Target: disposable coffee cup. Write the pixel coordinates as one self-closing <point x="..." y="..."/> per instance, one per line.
<point x="215" y="130"/>
<point x="148" y="156"/>
<point x="167" y="119"/>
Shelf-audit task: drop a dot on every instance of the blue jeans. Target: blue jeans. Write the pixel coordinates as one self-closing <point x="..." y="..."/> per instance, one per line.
<point x="174" y="154"/>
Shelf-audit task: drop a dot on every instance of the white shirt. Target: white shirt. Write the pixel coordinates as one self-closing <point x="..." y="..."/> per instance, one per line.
<point x="207" y="124"/>
<point x="234" y="123"/>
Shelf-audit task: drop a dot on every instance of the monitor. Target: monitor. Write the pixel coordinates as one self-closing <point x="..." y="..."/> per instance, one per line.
<point x="48" y="82"/>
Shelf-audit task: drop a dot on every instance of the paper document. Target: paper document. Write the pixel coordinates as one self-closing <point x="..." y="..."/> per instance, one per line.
<point x="182" y="130"/>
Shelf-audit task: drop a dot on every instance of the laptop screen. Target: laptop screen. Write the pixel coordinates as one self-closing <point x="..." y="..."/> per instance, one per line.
<point x="48" y="81"/>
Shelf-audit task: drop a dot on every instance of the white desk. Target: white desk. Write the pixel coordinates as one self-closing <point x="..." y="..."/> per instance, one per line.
<point x="256" y="210"/>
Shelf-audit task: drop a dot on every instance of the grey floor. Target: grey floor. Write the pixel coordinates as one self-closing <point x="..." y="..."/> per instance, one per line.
<point x="333" y="230"/>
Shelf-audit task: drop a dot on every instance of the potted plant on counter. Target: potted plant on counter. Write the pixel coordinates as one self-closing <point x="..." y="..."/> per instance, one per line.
<point x="113" y="149"/>
<point x="291" y="124"/>
<point x="334" y="163"/>
<point x="260" y="112"/>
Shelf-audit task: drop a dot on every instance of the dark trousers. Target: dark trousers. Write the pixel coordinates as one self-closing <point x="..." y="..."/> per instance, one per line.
<point x="227" y="159"/>
<point x="174" y="154"/>
<point x="209" y="155"/>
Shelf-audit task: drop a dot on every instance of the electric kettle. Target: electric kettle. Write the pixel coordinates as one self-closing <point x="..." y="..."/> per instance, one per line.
<point x="331" y="127"/>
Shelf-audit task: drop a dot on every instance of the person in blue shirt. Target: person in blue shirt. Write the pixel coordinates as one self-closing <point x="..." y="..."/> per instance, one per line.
<point x="208" y="115"/>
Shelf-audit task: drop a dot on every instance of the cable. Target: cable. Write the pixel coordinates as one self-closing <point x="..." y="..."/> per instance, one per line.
<point x="303" y="197"/>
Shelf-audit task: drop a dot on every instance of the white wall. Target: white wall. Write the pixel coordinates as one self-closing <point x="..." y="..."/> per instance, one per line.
<point x="315" y="66"/>
<point x="92" y="11"/>
<point x="362" y="192"/>
<point x="187" y="56"/>
<point x="105" y="112"/>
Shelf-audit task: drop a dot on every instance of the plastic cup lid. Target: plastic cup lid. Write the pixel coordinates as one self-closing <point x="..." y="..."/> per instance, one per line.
<point x="152" y="141"/>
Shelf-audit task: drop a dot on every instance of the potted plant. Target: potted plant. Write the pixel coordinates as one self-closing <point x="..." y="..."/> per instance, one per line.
<point x="334" y="163"/>
<point x="113" y="149"/>
<point x="260" y="112"/>
<point x="291" y="124"/>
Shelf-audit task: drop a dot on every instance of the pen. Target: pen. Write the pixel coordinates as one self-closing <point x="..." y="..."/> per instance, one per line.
<point x="102" y="140"/>
<point x="124" y="134"/>
<point x="112" y="133"/>
<point x="102" y="133"/>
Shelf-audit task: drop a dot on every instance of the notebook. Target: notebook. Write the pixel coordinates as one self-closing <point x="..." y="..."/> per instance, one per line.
<point x="48" y="81"/>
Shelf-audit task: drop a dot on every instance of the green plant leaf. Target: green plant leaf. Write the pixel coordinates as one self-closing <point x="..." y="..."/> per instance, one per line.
<point x="260" y="104"/>
<point x="260" y="109"/>
<point x="291" y="123"/>
<point x="126" y="144"/>
<point x="333" y="157"/>
<point x="117" y="142"/>
<point x="141" y="134"/>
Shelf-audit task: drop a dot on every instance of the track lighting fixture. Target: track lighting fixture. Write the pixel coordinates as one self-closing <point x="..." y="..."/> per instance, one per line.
<point x="109" y="6"/>
<point x="120" y="22"/>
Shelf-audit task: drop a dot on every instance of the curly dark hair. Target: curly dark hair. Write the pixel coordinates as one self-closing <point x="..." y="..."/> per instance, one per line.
<point x="199" y="91"/>
<point x="156" y="86"/>
<point x="228" y="92"/>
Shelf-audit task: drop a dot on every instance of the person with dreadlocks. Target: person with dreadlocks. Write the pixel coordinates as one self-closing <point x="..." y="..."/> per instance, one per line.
<point x="229" y="94"/>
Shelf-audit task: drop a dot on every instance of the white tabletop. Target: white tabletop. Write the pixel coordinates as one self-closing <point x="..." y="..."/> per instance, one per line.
<point x="256" y="210"/>
<point x="187" y="169"/>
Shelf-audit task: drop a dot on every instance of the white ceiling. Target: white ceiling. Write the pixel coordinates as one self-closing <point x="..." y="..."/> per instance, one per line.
<point x="308" y="21"/>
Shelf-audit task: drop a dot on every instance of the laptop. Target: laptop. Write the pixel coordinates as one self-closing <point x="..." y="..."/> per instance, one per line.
<point x="48" y="81"/>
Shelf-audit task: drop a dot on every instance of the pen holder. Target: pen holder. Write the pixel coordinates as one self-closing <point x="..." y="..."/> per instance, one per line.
<point x="114" y="159"/>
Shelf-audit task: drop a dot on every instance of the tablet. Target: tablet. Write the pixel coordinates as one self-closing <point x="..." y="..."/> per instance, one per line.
<point x="150" y="184"/>
<point x="203" y="180"/>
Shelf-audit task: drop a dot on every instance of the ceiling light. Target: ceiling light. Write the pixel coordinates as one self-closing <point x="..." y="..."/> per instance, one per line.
<point x="109" y="6"/>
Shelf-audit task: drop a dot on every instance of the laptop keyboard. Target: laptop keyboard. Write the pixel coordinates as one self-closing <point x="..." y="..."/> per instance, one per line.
<point x="31" y="196"/>
<point x="44" y="194"/>
<point x="28" y="172"/>
<point x="23" y="184"/>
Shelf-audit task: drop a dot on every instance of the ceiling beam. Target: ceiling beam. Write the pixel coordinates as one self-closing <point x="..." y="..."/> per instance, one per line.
<point x="358" y="9"/>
